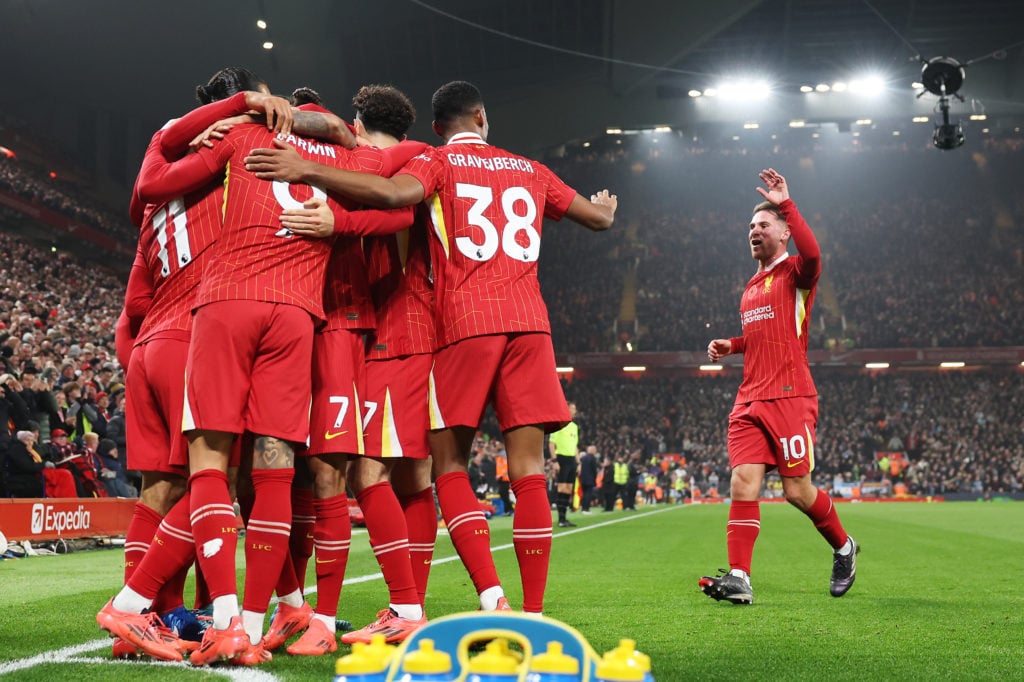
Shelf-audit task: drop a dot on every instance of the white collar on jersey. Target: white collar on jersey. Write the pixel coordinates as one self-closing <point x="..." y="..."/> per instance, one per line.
<point x="465" y="138"/>
<point x="778" y="260"/>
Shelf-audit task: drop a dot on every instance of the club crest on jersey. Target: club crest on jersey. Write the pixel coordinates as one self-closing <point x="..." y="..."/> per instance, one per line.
<point x="768" y="284"/>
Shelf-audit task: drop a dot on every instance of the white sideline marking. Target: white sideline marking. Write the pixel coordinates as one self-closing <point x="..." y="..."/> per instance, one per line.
<point x="69" y="654"/>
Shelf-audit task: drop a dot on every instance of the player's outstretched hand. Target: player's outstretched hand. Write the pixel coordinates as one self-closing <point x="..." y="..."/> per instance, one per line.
<point x="778" y="190"/>
<point x="280" y="163"/>
<point x="718" y="349"/>
<point x="603" y="198"/>
<point x="315" y="219"/>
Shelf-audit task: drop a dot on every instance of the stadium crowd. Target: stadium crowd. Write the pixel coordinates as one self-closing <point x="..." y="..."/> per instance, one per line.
<point x="887" y="281"/>
<point x="958" y="432"/>
<point x="60" y="377"/>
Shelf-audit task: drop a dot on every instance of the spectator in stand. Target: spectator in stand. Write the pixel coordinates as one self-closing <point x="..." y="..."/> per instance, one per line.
<point x="30" y="475"/>
<point x="113" y="473"/>
<point x="105" y="376"/>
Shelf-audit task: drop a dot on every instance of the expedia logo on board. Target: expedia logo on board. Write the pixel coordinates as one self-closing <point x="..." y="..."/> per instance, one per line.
<point x="37" y="518"/>
<point x="46" y="519"/>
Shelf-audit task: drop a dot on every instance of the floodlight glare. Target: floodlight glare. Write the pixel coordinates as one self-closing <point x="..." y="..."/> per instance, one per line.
<point x="268" y="45"/>
<point x="663" y="129"/>
<point x="694" y="93"/>
<point x="744" y="90"/>
<point x="839" y="86"/>
<point x="710" y="92"/>
<point x="806" y="88"/>
<point x="260" y="24"/>
<point x="822" y="87"/>
<point x="920" y="119"/>
<point x="867" y="86"/>
<point x="797" y="124"/>
<point x="979" y="117"/>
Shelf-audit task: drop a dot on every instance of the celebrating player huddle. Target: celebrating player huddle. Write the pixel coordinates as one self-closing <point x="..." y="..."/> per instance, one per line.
<point x="282" y="328"/>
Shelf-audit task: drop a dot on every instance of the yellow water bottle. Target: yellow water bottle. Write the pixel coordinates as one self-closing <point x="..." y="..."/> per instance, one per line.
<point x="496" y="663"/>
<point x="427" y="664"/>
<point x="554" y="666"/>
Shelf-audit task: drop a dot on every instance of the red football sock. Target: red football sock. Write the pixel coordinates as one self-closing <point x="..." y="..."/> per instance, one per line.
<point x="171" y="552"/>
<point x="301" y="542"/>
<point x="332" y="537"/>
<point x="421" y="520"/>
<point x="141" y="530"/>
<point x="826" y="520"/>
<point x="203" y="598"/>
<point x="213" y="527"/>
<point x="171" y="595"/>
<point x="741" y="533"/>
<point x="531" y="537"/>
<point x="467" y="528"/>
<point x="389" y="539"/>
<point x="266" y="535"/>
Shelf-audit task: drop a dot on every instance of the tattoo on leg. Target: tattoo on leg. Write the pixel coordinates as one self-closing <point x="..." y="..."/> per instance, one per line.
<point x="272" y="453"/>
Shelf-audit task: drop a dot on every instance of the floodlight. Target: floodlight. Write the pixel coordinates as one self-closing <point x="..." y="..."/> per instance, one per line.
<point x="872" y="85"/>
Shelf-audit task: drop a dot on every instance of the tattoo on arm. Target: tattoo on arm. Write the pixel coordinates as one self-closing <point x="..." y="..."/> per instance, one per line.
<point x="311" y="124"/>
<point x="272" y="453"/>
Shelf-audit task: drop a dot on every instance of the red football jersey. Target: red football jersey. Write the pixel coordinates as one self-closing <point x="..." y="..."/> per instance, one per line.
<point x="255" y="258"/>
<point x="776" y="313"/>
<point x="347" y="301"/>
<point x="487" y="208"/>
<point x="403" y="296"/>
<point x="174" y="247"/>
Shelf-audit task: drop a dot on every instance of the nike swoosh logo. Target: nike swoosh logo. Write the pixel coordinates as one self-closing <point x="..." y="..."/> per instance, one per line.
<point x="328" y="435"/>
<point x="325" y="561"/>
<point x="790" y="465"/>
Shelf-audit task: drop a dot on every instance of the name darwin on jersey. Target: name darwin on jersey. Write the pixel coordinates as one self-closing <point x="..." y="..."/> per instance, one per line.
<point x="765" y="312"/>
<point x="496" y="163"/>
<point x="311" y="146"/>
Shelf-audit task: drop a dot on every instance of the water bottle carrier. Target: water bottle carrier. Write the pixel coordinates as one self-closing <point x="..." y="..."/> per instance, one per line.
<point x="529" y="634"/>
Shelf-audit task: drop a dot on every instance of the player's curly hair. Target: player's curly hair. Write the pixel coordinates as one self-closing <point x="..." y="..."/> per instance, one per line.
<point x="385" y="109"/>
<point x="454" y="100"/>
<point x="227" y="82"/>
<point x="306" y="95"/>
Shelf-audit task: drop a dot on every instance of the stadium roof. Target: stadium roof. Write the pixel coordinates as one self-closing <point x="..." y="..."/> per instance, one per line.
<point x="550" y="70"/>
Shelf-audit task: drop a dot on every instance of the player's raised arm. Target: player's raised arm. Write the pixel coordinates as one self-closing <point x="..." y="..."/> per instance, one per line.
<point x="597" y="214"/>
<point x="284" y="163"/>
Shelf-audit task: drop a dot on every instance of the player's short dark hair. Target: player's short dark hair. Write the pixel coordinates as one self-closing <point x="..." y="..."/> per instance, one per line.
<point x="306" y="95"/>
<point x="770" y="207"/>
<point x="227" y="82"/>
<point x="385" y="109"/>
<point x="454" y="100"/>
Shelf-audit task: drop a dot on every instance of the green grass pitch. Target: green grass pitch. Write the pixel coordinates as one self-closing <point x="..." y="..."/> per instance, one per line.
<point x="938" y="596"/>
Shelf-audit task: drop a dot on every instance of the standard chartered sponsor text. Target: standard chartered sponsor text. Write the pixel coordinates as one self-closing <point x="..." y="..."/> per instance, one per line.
<point x="765" y="312"/>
